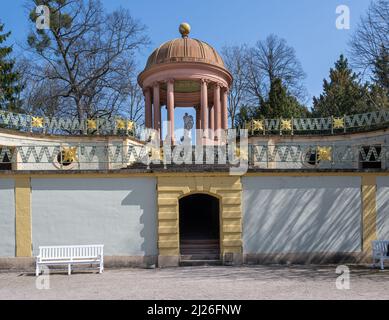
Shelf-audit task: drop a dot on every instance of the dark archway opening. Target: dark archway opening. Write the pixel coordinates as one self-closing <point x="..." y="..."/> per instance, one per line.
<point x="199" y="227"/>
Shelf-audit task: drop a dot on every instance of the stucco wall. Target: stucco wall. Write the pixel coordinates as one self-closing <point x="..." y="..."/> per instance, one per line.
<point x="7" y="218"/>
<point x="383" y="208"/>
<point x="301" y="214"/>
<point x="119" y="213"/>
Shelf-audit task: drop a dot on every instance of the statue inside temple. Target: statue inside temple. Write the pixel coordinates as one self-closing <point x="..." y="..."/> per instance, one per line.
<point x="188" y="125"/>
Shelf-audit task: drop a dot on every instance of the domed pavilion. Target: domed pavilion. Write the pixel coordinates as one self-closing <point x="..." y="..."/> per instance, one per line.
<point x="186" y="72"/>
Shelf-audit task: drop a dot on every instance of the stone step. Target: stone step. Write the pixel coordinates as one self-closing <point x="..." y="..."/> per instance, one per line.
<point x="190" y="241"/>
<point x="199" y="251"/>
<point x="200" y="256"/>
<point x="196" y="263"/>
<point x="206" y="248"/>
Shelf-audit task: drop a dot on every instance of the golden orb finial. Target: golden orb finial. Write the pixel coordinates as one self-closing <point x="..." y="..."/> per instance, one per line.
<point x="184" y="29"/>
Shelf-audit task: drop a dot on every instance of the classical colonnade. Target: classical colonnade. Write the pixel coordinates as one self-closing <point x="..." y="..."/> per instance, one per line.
<point x="211" y="109"/>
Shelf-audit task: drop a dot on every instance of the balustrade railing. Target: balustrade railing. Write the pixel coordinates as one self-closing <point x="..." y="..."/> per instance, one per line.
<point x="327" y="125"/>
<point x="69" y="126"/>
<point x="117" y="156"/>
<point x="121" y="126"/>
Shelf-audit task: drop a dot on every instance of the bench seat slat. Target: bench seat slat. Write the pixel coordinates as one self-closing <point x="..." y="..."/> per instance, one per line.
<point x="70" y="255"/>
<point x="68" y="261"/>
<point x="69" y="258"/>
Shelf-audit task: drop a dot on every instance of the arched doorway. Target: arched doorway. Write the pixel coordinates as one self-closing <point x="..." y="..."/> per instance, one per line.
<point x="199" y="227"/>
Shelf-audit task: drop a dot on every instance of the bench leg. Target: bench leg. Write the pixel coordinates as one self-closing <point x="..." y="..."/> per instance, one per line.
<point x="69" y="269"/>
<point x="101" y="268"/>
<point x="37" y="271"/>
<point x="382" y="263"/>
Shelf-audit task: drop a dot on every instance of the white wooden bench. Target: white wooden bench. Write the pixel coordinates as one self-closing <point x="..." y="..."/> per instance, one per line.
<point x="380" y="252"/>
<point x="70" y="255"/>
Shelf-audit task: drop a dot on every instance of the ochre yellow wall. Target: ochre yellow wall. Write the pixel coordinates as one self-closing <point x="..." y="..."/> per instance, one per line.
<point x="369" y="213"/>
<point x="172" y="186"/>
<point x="23" y="217"/>
<point x="227" y="189"/>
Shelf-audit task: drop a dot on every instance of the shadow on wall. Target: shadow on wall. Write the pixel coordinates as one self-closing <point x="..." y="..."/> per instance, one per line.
<point x="147" y="219"/>
<point x="119" y="213"/>
<point x="7" y="218"/>
<point x="302" y="215"/>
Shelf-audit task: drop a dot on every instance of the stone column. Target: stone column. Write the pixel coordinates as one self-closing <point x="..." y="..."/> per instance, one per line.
<point x="211" y="121"/>
<point x="198" y="124"/>
<point x="198" y="117"/>
<point x="170" y="109"/>
<point x="224" y="111"/>
<point x="160" y="122"/>
<point x="157" y="107"/>
<point x="204" y="106"/>
<point x="216" y="103"/>
<point x="148" y="108"/>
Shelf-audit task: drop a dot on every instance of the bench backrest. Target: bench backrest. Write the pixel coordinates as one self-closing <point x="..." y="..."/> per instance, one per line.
<point x="70" y="252"/>
<point x="380" y="245"/>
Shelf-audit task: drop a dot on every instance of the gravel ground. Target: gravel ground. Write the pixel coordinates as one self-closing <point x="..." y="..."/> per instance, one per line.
<point x="259" y="282"/>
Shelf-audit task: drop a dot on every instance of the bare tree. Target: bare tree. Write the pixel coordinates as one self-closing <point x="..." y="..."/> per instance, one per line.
<point x="41" y="97"/>
<point x="273" y="59"/>
<point x="86" y="57"/>
<point x="236" y="63"/>
<point x="371" y="37"/>
<point x="255" y="69"/>
<point x="135" y="104"/>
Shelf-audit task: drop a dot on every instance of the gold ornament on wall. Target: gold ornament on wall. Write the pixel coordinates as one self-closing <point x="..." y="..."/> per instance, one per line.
<point x="92" y="124"/>
<point x="324" y="153"/>
<point x="37" y="122"/>
<point x="130" y="125"/>
<point x="241" y="153"/>
<point x="69" y="155"/>
<point x="338" y="123"/>
<point x="286" y="125"/>
<point x="257" y="125"/>
<point x="120" y="124"/>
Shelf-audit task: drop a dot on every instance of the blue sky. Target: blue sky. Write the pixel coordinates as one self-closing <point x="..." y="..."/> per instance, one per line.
<point x="307" y="25"/>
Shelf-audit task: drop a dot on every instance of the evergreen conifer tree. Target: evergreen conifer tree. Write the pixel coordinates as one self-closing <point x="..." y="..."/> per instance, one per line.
<point x="342" y="93"/>
<point x="9" y="88"/>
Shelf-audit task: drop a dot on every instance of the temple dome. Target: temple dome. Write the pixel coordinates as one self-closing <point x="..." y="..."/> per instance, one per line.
<point x="184" y="50"/>
<point x="186" y="62"/>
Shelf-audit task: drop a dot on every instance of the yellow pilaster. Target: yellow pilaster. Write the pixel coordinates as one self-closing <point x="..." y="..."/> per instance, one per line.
<point x="369" y="213"/>
<point x="23" y="217"/>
